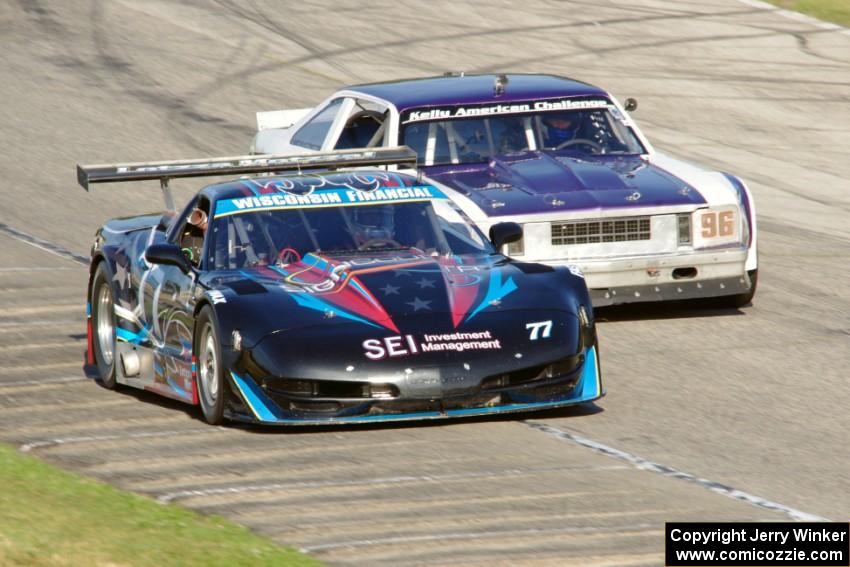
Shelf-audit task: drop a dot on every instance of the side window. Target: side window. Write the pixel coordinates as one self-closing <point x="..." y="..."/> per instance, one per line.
<point x="193" y="230"/>
<point x="313" y="133"/>
<point x="364" y="127"/>
<point x="430" y="141"/>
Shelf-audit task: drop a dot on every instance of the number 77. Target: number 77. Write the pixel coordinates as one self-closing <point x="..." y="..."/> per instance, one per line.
<point x="537" y="327"/>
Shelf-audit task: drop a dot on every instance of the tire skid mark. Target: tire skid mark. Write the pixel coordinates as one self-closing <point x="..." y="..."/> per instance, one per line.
<point x="585" y="50"/>
<point x="399" y="479"/>
<point x="670" y="472"/>
<point x="557" y="559"/>
<point x="117" y="60"/>
<point x="293" y="475"/>
<point x="37" y="346"/>
<point x="406" y="42"/>
<point x="259" y="18"/>
<point x="41" y="381"/>
<point x="19" y="311"/>
<point x="7" y="370"/>
<point x="20" y="269"/>
<point x="13" y="326"/>
<point x="116" y="423"/>
<point x="499" y="521"/>
<point x="245" y="454"/>
<point x="42" y="244"/>
<point x="649" y="528"/>
<point x="404" y="502"/>
<point x="357" y="521"/>
<point x="62" y="409"/>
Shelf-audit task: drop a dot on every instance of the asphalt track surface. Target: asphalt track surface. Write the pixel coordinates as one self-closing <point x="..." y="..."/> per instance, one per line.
<point x="710" y="414"/>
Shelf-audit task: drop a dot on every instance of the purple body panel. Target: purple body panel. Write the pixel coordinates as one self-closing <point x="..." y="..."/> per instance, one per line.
<point x="544" y="181"/>
<point x="537" y="181"/>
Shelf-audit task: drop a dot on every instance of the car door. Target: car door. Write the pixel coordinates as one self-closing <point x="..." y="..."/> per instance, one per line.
<point x="174" y="301"/>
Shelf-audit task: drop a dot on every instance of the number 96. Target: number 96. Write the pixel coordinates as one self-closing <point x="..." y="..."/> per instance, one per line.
<point x="718" y="224"/>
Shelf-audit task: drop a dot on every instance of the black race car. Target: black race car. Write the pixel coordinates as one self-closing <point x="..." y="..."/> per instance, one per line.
<point x="330" y="296"/>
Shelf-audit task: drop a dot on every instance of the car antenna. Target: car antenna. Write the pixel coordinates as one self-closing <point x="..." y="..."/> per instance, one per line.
<point x="500" y="84"/>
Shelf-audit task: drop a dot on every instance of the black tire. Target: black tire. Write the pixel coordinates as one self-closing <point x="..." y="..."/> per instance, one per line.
<point x="747" y="298"/>
<point x="102" y="303"/>
<point x="212" y="387"/>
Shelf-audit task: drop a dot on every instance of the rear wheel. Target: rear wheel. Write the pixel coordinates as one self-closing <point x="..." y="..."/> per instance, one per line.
<point x="103" y="326"/>
<point x="212" y="387"/>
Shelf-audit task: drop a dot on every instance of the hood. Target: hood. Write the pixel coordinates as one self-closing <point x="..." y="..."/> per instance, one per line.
<point x="545" y="181"/>
<point x="385" y="293"/>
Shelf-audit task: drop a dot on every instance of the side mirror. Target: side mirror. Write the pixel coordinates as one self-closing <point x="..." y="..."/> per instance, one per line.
<point x="505" y="233"/>
<point x="631" y="104"/>
<point x="168" y="255"/>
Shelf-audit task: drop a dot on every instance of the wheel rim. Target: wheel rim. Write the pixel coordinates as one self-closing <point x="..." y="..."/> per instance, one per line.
<point x="208" y="368"/>
<point x="105" y="325"/>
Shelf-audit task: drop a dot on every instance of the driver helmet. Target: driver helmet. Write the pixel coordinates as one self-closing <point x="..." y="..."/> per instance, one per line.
<point x="198" y="218"/>
<point x="561" y="128"/>
<point x="373" y="221"/>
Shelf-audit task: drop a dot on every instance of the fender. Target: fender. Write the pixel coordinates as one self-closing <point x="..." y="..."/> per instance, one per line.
<point x="745" y="198"/>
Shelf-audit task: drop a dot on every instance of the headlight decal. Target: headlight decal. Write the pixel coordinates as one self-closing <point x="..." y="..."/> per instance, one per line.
<point x="717" y="226"/>
<point x="744" y="200"/>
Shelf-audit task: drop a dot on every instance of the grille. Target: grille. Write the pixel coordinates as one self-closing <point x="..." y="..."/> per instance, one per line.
<point x="611" y="230"/>
<point x="557" y="369"/>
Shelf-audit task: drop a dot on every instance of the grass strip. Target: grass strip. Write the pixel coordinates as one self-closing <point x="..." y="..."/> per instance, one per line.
<point x="836" y="11"/>
<point x="50" y="517"/>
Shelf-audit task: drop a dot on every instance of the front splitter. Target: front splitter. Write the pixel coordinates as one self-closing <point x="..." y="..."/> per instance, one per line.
<point x="264" y="410"/>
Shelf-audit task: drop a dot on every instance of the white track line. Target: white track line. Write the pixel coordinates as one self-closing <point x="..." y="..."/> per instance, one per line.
<point x="180" y="433"/>
<point x="795" y="16"/>
<point x="664" y="470"/>
<point x="39" y="346"/>
<point x="9" y="326"/>
<point x="38" y="309"/>
<point x="41" y="269"/>
<point x="477" y="535"/>
<point x="40" y="381"/>
<point x="182" y="494"/>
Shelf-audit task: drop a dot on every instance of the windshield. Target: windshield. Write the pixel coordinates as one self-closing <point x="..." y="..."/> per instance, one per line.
<point x="264" y="237"/>
<point x="472" y="139"/>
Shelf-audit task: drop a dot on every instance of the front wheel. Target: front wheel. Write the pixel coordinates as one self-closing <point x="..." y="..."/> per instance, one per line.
<point x="743" y="299"/>
<point x="103" y="327"/>
<point x="740" y="300"/>
<point x="212" y="387"/>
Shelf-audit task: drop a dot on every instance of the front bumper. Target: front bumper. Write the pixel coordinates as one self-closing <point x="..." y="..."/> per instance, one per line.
<point x="670" y="291"/>
<point x="666" y="277"/>
<point x="583" y="386"/>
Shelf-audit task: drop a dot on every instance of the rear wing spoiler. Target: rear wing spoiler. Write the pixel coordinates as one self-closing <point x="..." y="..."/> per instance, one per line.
<point x="241" y="165"/>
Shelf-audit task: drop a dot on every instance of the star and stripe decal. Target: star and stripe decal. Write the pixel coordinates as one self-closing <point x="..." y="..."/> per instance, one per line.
<point x="336" y="288"/>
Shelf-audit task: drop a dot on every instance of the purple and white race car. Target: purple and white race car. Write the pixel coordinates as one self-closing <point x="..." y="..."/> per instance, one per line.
<point x="565" y="160"/>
